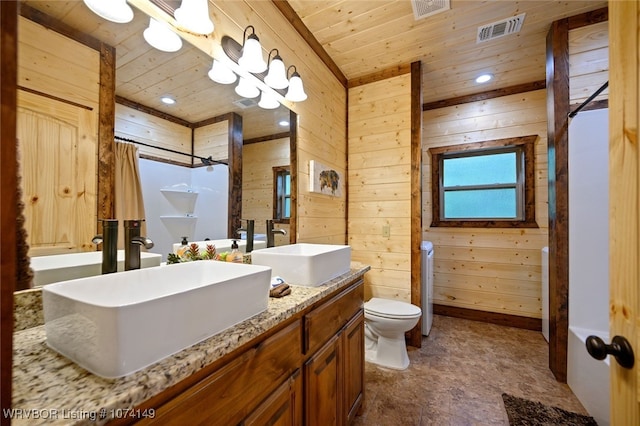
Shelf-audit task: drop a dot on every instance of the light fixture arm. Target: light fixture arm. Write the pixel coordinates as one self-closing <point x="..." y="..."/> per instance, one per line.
<point x="277" y="55"/>
<point x="295" y="70"/>
<point x="244" y="34"/>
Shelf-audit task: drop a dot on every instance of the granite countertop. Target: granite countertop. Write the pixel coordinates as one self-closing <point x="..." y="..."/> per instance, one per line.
<point x="50" y="389"/>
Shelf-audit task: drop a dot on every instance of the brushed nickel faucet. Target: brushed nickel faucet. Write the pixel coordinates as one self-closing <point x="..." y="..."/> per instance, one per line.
<point x="272" y="232"/>
<point x="109" y="240"/>
<point x="132" y="243"/>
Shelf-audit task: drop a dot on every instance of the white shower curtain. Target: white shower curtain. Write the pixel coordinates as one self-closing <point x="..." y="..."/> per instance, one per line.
<point x="128" y="192"/>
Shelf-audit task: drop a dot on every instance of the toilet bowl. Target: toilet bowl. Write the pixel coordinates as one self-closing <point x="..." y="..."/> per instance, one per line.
<point x="385" y="322"/>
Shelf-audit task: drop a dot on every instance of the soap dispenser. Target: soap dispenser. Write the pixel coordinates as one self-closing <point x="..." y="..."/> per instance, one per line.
<point x="235" y="255"/>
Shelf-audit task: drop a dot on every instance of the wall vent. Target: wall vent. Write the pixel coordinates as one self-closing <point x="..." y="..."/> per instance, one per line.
<point x="501" y="28"/>
<point x="424" y="8"/>
<point x="245" y="103"/>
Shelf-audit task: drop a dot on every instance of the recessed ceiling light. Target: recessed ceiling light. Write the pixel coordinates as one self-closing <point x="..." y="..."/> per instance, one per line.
<point x="167" y="100"/>
<point x="283" y="123"/>
<point x="484" y="78"/>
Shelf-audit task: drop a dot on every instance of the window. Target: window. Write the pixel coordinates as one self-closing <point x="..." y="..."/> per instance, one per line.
<point x="281" y="194"/>
<point x="484" y="184"/>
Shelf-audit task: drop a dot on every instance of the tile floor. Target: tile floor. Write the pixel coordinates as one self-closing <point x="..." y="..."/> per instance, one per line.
<point x="458" y="376"/>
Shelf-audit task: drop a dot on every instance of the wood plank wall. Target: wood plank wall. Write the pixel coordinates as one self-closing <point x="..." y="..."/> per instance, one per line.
<point x="51" y="63"/>
<point x="322" y="129"/>
<point x="59" y="78"/>
<point x="212" y="140"/>
<point x="147" y="128"/>
<point x="588" y="62"/>
<point x="380" y="184"/>
<point x="258" y="160"/>
<point x="494" y="270"/>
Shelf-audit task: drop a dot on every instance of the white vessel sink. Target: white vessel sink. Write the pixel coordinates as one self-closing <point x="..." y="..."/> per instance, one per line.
<point x="305" y="264"/>
<point x="64" y="267"/>
<point x="221" y="245"/>
<point x="116" y="324"/>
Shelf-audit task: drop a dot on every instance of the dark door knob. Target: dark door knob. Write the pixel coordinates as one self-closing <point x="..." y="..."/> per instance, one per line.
<point x="620" y="348"/>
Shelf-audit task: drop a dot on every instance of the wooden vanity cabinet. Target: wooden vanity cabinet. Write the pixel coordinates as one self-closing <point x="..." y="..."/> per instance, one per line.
<point x="235" y="390"/>
<point x="309" y="372"/>
<point x="334" y="374"/>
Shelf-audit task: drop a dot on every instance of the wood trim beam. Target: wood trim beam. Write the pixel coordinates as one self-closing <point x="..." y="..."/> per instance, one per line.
<point x="293" y="164"/>
<point x="47" y="21"/>
<point x="8" y="193"/>
<point x="558" y="155"/>
<point x="151" y="111"/>
<point x="267" y="138"/>
<point x="380" y="75"/>
<point x="290" y="15"/>
<point x="106" y="195"/>
<point x="212" y="120"/>
<point x="516" y="321"/>
<point x="416" y="196"/>
<point x="55" y="98"/>
<point x="491" y="94"/>
<point x="588" y="18"/>
<point x="235" y="174"/>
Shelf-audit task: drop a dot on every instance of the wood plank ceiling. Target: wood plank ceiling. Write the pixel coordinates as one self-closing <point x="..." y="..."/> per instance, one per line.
<point x="144" y="74"/>
<point x="364" y="37"/>
<point x="361" y="37"/>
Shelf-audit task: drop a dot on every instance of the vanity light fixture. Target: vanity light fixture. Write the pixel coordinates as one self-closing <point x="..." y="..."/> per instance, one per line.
<point x="160" y="36"/>
<point x="277" y="75"/>
<point x="220" y="73"/>
<point x="193" y="16"/>
<point x="246" y="89"/>
<point x="251" y="59"/>
<point x="268" y="101"/>
<point x="296" y="90"/>
<point x="117" y="11"/>
<point x="167" y="100"/>
<point x="484" y="78"/>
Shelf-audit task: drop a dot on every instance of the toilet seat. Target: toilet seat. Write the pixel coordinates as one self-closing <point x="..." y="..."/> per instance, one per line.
<point x="386" y="308"/>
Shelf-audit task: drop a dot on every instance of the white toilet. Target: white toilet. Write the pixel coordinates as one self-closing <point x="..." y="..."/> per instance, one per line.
<point x="385" y="322"/>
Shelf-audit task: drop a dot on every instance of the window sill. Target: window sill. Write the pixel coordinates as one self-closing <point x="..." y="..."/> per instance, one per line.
<point x="484" y="224"/>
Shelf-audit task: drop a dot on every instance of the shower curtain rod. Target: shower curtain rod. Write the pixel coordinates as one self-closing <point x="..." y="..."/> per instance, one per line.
<point x="206" y="161"/>
<point x="585" y="103"/>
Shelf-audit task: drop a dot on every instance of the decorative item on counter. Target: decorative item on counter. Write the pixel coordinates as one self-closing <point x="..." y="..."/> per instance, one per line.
<point x="190" y="253"/>
<point x="235" y="255"/>
<point x="280" y="290"/>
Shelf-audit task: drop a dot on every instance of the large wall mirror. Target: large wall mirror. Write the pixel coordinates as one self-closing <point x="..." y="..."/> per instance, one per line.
<point x="143" y="75"/>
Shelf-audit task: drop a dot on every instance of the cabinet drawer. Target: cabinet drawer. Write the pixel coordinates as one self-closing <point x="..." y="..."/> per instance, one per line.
<point x="327" y="319"/>
<point x="231" y="393"/>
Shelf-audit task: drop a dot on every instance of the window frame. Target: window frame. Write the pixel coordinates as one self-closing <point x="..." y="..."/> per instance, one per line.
<point x="526" y="181"/>
<point x="278" y="197"/>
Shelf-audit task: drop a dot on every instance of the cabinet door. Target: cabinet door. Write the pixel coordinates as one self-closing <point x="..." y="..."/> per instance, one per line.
<point x="234" y="391"/>
<point x="353" y="366"/>
<point x="322" y="385"/>
<point x="282" y="408"/>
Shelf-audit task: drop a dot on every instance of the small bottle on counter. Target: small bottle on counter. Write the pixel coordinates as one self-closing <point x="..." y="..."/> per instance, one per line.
<point x="235" y="255"/>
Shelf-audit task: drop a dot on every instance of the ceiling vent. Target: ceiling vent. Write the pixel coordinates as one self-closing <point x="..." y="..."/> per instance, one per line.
<point x="245" y="103"/>
<point x="501" y="28"/>
<point x="424" y="8"/>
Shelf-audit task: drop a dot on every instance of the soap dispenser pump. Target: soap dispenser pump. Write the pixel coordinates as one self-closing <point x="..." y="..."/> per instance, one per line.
<point x="235" y="255"/>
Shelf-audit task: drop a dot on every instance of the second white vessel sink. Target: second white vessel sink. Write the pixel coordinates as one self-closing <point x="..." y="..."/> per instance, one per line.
<point x="65" y="267"/>
<point x="305" y="264"/>
<point x="116" y="324"/>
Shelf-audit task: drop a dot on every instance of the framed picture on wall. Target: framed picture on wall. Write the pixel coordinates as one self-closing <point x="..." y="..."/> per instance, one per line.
<point x="325" y="180"/>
